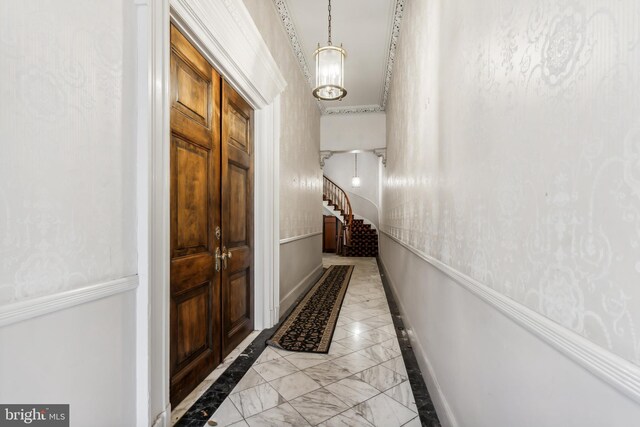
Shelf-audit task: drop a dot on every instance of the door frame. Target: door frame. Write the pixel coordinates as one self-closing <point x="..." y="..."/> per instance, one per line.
<point x="224" y="32"/>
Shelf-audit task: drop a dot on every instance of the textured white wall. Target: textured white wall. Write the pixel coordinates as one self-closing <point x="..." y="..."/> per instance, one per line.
<point x="353" y="131"/>
<point x="300" y="174"/>
<point x="67" y="203"/>
<point x="67" y="182"/>
<point x="490" y="371"/>
<point x="513" y="133"/>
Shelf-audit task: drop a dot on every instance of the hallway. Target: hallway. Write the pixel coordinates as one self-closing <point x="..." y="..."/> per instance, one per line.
<point x="362" y="381"/>
<point x="173" y="173"/>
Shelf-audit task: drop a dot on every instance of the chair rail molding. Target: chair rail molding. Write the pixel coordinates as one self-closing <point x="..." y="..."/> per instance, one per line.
<point x="34" y="307"/>
<point x="225" y="34"/>
<point x="303" y="236"/>
<point x="619" y="373"/>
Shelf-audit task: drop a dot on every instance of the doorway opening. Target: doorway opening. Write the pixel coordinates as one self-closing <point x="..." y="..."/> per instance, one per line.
<point x="211" y="218"/>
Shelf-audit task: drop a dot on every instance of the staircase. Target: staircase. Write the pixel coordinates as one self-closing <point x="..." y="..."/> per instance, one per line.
<point x="364" y="240"/>
<point x="355" y="238"/>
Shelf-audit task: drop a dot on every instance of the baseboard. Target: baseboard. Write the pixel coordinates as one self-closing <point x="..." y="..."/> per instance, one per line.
<point x="24" y="310"/>
<point x="162" y="420"/>
<point x="619" y="373"/>
<point x="445" y="414"/>
<point x="301" y="287"/>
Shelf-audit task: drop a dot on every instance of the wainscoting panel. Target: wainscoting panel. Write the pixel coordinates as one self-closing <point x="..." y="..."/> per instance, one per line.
<point x="300" y="267"/>
<point x="482" y="367"/>
<point x="82" y="355"/>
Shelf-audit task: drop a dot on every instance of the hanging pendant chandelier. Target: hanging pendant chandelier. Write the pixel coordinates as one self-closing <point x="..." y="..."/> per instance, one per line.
<point x="330" y="70"/>
<point x="355" y="181"/>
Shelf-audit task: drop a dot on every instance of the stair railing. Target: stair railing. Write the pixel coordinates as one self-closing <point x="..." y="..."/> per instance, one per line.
<point x="331" y="191"/>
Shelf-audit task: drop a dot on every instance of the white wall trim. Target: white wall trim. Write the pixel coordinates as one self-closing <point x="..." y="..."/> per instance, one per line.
<point x="621" y="374"/>
<point x="24" y="310"/>
<point x="306" y="281"/>
<point x="162" y="419"/>
<point x="295" y="238"/>
<point x="152" y="302"/>
<point x="267" y="221"/>
<point x="234" y="46"/>
<point x="445" y="414"/>
<point x="275" y="243"/>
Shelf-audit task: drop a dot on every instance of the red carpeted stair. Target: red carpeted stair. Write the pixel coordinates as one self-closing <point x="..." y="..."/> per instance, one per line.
<point x="364" y="240"/>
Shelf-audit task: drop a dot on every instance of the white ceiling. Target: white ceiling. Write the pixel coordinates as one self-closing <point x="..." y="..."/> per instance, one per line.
<point x="366" y="30"/>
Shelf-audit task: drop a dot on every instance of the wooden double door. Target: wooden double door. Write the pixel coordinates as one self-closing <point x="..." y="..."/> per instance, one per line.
<point x="211" y="302"/>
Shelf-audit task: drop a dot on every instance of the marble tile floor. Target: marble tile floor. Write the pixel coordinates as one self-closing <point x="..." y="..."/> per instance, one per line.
<point x="362" y="381"/>
<point x="188" y="401"/>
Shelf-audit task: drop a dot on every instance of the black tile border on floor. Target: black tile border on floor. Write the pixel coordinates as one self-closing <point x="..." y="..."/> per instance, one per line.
<point x="204" y="408"/>
<point x="207" y="404"/>
<point x="426" y="409"/>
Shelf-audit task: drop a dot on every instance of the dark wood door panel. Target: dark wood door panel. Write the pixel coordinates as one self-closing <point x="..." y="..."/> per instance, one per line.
<point x="184" y="50"/>
<point x="192" y="311"/>
<point x="183" y="127"/>
<point x="211" y="185"/>
<point x="239" y="126"/>
<point x="238" y="297"/>
<point x="237" y="218"/>
<point x="190" y="271"/>
<point x="238" y="184"/>
<point x="192" y="93"/>
<point x="191" y="171"/>
<point x="195" y="292"/>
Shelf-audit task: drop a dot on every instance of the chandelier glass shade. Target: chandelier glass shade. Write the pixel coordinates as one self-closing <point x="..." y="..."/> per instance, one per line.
<point x="330" y="70"/>
<point x="330" y="73"/>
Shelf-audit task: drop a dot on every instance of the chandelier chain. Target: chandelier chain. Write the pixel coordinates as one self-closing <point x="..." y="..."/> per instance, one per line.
<point x="329" y="22"/>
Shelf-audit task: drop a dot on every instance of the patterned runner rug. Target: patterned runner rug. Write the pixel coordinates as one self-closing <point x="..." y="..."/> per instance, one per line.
<point x="310" y="326"/>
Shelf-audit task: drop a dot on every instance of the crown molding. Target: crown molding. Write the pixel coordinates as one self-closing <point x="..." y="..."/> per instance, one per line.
<point x="294" y="41"/>
<point x="355" y="109"/>
<point x="290" y="29"/>
<point x="393" y="44"/>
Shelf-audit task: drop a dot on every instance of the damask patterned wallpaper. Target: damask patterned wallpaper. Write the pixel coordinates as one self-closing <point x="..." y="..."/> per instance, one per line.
<point x="67" y="157"/>
<point x="300" y="173"/>
<point x="513" y="132"/>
